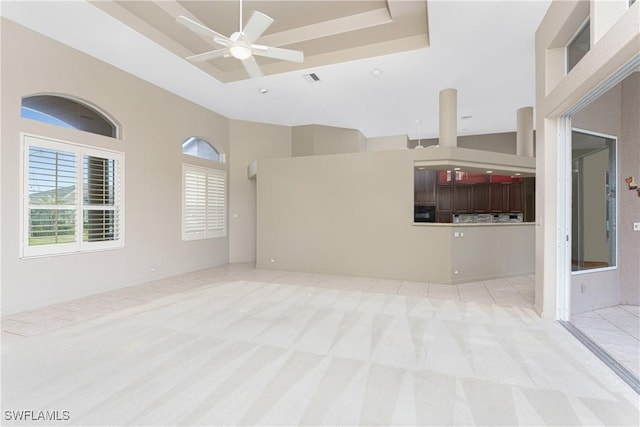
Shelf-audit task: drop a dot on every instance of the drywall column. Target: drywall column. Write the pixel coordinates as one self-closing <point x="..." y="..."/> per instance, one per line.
<point x="524" y="132"/>
<point x="448" y="118"/>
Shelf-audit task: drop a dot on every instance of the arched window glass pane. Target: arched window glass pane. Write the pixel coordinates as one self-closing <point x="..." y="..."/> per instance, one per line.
<point x="199" y="147"/>
<point x="65" y="112"/>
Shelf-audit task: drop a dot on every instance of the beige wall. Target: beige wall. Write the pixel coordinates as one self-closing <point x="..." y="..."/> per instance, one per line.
<point x="496" y="142"/>
<point x="312" y="140"/>
<point x="629" y="201"/>
<point x="556" y="94"/>
<point x="594" y="290"/>
<point x="353" y="214"/>
<point x="302" y="141"/>
<point x="487" y="252"/>
<point x="249" y="141"/>
<point x="154" y="123"/>
<point x="346" y="214"/>
<point x="386" y="143"/>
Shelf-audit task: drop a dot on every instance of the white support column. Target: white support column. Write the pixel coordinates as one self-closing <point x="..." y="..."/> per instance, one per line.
<point x="448" y="118"/>
<point x="524" y="132"/>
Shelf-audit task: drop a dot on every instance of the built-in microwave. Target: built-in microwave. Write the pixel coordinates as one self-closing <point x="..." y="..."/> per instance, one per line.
<point x="424" y="213"/>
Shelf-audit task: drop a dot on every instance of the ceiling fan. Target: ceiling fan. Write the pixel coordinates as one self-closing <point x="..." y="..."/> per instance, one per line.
<point x="240" y="45"/>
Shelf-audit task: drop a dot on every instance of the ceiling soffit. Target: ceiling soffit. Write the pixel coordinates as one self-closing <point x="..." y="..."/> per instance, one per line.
<point x="327" y="31"/>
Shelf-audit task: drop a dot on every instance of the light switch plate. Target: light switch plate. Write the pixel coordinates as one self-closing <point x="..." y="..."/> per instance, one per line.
<point x="636" y="226"/>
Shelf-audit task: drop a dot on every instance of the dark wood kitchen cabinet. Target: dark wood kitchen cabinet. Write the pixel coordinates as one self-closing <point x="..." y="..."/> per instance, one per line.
<point x="498" y="197"/>
<point x="506" y="197"/>
<point x="462" y="199"/>
<point x="455" y="192"/>
<point x="480" y="198"/>
<point x="516" y="197"/>
<point x="445" y="198"/>
<point x="444" y="217"/>
<point x="424" y="186"/>
<point x="444" y="207"/>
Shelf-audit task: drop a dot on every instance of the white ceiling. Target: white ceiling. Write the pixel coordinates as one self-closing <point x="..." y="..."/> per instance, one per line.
<point x="484" y="49"/>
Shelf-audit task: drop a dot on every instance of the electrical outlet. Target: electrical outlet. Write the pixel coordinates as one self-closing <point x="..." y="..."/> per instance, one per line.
<point x="636" y="226"/>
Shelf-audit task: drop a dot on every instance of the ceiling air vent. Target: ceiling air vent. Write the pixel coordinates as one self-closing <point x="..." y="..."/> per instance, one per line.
<point x="311" y="78"/>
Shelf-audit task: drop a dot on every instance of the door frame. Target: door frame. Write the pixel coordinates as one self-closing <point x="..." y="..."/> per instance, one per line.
<point x="563" y="197"/>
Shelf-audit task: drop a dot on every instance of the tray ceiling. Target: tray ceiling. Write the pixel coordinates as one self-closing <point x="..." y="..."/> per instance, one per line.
<point x="328" y="32"/>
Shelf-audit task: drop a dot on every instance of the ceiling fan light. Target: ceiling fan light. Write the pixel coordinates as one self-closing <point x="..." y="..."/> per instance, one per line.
<point x="240" y="51"/>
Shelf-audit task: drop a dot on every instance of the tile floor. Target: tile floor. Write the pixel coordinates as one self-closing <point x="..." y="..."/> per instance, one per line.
<point x="513" y="291"/>
<point x="240" y="346"/>
<point x="615" y="329"/>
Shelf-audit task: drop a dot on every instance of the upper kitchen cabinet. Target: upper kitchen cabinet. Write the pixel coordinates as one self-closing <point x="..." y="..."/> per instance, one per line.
<point x="480" y="198"/>
<point x="424" y="186"/>
<point x="462" y="196"/>
<point x="516" y="197"/>
<point x="506" y="197"/>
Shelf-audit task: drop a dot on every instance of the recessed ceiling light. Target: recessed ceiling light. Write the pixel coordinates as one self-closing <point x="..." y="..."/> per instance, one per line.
<point x="263" y="90"/>
<point x="376" y="72"/>
<point x="456" y="169"/>
<point x="489" y="171"/>
<point x="517" y="174"/>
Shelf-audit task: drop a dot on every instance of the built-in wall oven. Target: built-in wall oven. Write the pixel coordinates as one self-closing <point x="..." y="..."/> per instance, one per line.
<point x="424" y="213"/>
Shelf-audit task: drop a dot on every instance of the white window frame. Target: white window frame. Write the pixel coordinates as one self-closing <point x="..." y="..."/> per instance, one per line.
<point x="211" y="202"/>
<point x="78" y="245"/>
<point x="221" y="155"/>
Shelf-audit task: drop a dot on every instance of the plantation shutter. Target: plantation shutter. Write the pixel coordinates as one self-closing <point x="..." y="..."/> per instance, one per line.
<point x="51" y="202"/>
<point x="204" y="204"/>
<point x="216" y="218"/>
<point x="72" y="198"/>
<point x="102" y="193"/>
<point x="194" y="214"/>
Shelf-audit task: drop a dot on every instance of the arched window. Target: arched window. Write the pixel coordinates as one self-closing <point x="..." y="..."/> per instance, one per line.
<point x="198" y="147"/>
<point x="66" y="112"/>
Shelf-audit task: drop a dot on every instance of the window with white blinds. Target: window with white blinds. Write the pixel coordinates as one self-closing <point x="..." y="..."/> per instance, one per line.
<point x="72" y="198"/>
<point x="203" y="203"/>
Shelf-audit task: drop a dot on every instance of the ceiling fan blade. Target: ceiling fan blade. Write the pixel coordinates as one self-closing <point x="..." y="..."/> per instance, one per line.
<point x="257" y="25"/>
<point x="207" y="55"/>
<point x="252" y="67"/>
<point x="222" y="42"/>
<point x="196" y="27"/>
<point x="279" y="53"/>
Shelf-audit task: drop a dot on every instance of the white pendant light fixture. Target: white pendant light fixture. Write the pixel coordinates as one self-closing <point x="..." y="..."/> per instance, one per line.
<point x="419" y="122"/>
